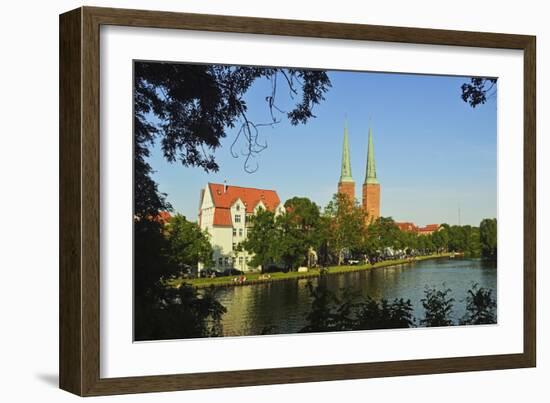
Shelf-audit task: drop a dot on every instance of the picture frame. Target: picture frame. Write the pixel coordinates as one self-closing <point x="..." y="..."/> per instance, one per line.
<point x="80" y="154"/>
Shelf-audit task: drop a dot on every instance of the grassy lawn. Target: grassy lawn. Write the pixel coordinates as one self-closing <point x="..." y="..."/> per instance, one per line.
<point x="254" y="278"/>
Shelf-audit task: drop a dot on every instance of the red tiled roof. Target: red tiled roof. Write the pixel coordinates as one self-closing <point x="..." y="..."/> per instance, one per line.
<point x="162" y="217"/>
<point x="224" y="199"/>
<point x="429" y="228"/>
<point x="411" y="227"/>
<point x="406" y="226"/>
<point x="222" y="217"/>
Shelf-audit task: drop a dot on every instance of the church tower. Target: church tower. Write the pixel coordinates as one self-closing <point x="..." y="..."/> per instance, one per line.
<point x="346" y="184"/>
<point x="371" y="187"/>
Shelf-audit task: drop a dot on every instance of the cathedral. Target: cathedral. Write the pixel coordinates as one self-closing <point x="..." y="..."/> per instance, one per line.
<point x="371" y="187"/>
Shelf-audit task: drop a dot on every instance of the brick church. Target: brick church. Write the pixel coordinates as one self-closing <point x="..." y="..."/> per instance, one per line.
<point x="371" y="187"/>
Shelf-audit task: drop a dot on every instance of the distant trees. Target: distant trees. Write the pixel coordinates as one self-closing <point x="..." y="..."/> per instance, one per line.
<point x="464" y="239"/>
<point x="488" y="238"/>
<point x="342" y="231"/>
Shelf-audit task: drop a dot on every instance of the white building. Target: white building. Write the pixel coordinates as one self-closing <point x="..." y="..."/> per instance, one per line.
<point x="224" y="212"/>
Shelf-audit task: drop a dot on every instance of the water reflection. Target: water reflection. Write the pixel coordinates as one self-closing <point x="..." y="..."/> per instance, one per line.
<point x="281" y="307"/>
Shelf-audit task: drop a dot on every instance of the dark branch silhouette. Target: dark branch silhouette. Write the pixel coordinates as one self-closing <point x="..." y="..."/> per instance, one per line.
<point x="479" y="90"/>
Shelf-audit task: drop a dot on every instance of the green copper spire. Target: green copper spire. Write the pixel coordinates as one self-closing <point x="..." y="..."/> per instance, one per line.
<point x="370" y="177"/>
<point x="345" y="175"/>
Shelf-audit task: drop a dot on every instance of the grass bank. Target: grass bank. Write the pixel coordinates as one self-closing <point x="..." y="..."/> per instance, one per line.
<point x="255" y="278"/>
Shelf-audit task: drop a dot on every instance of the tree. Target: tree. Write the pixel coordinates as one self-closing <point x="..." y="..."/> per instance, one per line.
<point x="479" y="90"/>
<point x="438" y="307"/>
<point x="285" y="238"/>
<point x="347" y="226"/>
<point x="382" y="234"/>
<point x="178" y="313"/>
<point x="440" y="238"/>
<point x="187" y="244"/>
<point x="304" y="216"/>
<point x="349" y="311"/>
<point x="189" y="107"/>
<point x="322" y="316"/>
<point x="465" y="239"/>
<point x="261" y="239"/>
<point x="381" y="314"/>
<point x="480" y="307"/>
<point x="162" y="312"/>
<point x="488" y="238"/>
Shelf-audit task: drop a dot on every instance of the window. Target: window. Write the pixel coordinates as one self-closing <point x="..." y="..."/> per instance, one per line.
<point x="234" y="245"/>
<point x="241" y="260"/>
<point x="238" y="207"/>
<point x="234" y="231"/>
<point x="227" y="261"/>
<point x="220" y="261"/>
<point x="237" y="218"/>
<point x="240" y="232"/>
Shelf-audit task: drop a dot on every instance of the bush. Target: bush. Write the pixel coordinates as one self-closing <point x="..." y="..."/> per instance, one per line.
<point x="438" y="307"/>
<point x="480" y="307"/>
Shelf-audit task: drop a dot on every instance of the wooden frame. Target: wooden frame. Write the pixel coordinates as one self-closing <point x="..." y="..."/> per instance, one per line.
<point x="79" y="201"/>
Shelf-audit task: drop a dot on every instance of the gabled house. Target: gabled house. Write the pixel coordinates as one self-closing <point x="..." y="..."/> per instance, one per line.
<point x="224" y="211"/>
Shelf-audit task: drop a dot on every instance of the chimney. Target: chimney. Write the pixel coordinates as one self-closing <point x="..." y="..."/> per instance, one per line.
<point x="225" y="186"/>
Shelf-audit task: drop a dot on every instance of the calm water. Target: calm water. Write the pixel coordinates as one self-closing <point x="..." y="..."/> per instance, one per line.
<point x="282" y="305"/>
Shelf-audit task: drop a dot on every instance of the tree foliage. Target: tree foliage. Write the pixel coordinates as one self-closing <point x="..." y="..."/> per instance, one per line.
<point x="178" y="313"/>
<point x="188" y="108"/>
<point x="261" y="238"/>
<point x="350" y="311"/>
<point x="284" y="239"/>
<point x="187" y="245"/>
<point x="488" y="238"/>
<point x="346" y="222"/>
<point x="478" y="91"/>
<point x="480" y="307"/>
<point x="161" y="251"/>
<point x="438" y="306"/>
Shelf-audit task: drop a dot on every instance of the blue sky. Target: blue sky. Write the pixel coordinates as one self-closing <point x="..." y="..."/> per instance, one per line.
<point x="434" y="153"/>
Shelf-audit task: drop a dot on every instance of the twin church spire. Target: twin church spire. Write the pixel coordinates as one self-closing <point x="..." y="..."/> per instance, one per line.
<point x="371" y="186"/>
<point x="345" y="173"/>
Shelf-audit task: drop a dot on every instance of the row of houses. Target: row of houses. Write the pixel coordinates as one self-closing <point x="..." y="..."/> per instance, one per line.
<point x="411" y="227"/>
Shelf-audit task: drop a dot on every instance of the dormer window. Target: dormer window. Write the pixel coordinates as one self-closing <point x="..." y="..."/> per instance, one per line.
<point x="238" y="207"/>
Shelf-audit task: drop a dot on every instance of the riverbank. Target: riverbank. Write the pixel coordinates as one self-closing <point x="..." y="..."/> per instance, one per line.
<point x="258" y="278"/>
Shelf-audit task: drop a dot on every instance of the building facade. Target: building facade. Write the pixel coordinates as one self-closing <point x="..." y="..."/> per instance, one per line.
<point x="224" y="212"/>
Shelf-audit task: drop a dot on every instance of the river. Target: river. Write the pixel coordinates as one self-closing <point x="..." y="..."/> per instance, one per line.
<point x="281" y="306"/>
